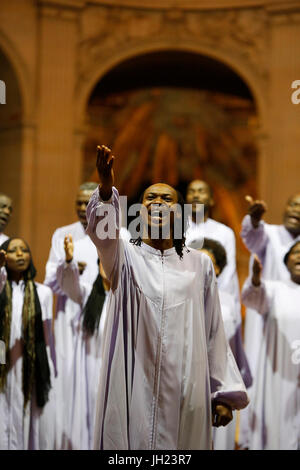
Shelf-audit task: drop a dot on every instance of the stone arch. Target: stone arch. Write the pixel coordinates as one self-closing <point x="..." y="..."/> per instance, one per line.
<point x="16" y="124"/>
<point x="95" y="72"/>
<point x="19" y="67"/>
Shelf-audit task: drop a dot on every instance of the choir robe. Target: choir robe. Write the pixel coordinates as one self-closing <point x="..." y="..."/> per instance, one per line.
<point x="224" y="437"/>
<point x="228" y="279"/>
<point x="275" y="414"/>
<point x="3" y="238"/>
<point x="165" y="354"/>
<point x="86" y="362"/>
<point x="270" y="243"/>
<point x="66" y="310"/>
<point x="34" y="427"/>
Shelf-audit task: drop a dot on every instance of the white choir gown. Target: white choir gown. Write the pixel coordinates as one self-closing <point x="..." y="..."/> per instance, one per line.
<point x="224" y="437"/>
<point x="66" y="309"/>
<point x="228" y="279"/>
<point x="165" y="354"/>
<point x="86" y="362"/>
<point x="271" y="243"/>
<point x="274" y="418"/>
<point x="32" y="428"/>
<point x="3" y="238"/>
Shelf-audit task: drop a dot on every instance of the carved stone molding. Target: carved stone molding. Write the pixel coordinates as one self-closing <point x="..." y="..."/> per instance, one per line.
<point x="240" y="32"/>
<point x="180" y="4"/>
<point x="63" y="9"/>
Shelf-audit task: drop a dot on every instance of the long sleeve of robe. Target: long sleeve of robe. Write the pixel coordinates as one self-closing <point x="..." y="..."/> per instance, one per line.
<point x="274" y="419"/>
<point x="165" y="354"/>
<point x="86" y="362"/>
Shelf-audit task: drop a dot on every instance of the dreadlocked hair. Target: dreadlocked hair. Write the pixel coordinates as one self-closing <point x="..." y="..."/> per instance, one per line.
<point x="35" y="366"/>
<point x="179" y="243"/>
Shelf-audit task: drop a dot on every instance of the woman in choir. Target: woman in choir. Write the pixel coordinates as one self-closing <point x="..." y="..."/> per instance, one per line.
<point x="167" y="370"/>
<point x="27" y="404"/>
<point x="274" y="419"/>
<point x="224" y="438"/>
<point x="89" y="301"/>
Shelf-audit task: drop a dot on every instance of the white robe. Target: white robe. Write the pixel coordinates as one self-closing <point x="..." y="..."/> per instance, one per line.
<point x="66" y="309"/>
<point x="228" y="279"/>
<point x="165" y="354"/>
<point x="270" y="243"/>
<point x="35" y="428"/>
<point x="86" y="361"/>
<point x="224" y="437"/>
<point x="275" y="415"/>
<point x="3" y="238"/>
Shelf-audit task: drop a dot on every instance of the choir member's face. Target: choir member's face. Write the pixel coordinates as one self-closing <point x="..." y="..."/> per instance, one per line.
<point x="293" y="263"/>
<point x="82" y="201"/>
<point x="292" y="215"/>
<point x="5" y="211"/>
<point x="214" y="262"/>
<point x="17" y="256"/>
<point x="164" y="197"/>
<point x="198" y="192"/>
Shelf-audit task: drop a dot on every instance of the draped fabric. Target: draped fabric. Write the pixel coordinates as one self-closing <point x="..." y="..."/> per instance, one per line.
<point x="165" y="355"/>
<point x="274" y="418"/>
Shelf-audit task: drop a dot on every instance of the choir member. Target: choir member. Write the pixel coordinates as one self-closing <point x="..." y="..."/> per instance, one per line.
<point x="224" y="438"/>
<point x="167" y="371"/>
<point x="199" y="192"/>
<point x="270" y="243"/>
<point x="27" y="405"/>
<point x="85" y="255"/>
<point x="5" y="214"/>
<point x="90" y="301"/>
<point x="275" y="412"/>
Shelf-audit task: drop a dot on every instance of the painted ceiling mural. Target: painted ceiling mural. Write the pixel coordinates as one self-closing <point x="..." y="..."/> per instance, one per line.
<point x="174" y="135"/>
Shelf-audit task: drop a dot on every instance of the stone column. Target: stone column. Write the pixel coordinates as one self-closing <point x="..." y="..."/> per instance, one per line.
<point x="57" y="165"/>
<point x="282" y="172"/>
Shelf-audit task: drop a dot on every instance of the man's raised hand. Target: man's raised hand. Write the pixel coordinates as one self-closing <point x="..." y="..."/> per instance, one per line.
<point x="69" y="247"/>
<point x="2" y="258"/>
<point x="104" y="165"/>
<point x="256" y="210"/>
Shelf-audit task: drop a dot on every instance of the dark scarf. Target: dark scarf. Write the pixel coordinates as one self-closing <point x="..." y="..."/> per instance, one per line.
<point x="35" y="361"/>
<point x="93" y="308"/>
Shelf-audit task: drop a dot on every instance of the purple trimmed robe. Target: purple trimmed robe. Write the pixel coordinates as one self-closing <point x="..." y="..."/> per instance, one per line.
<point x="165" y="354"/>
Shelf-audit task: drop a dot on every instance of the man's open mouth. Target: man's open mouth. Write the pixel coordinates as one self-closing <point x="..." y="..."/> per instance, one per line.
<point x="294" y="218"/>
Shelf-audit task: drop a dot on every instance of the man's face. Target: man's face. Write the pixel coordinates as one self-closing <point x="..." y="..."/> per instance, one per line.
<point x="17" y="256"/>
<point x="158" y="199"/>
<point x="198" y="192"/>
<point x="82" y="200"/>
<point x="293" y="263"/>
<point x="5" y="211"/>
<point x="291" y="217"/>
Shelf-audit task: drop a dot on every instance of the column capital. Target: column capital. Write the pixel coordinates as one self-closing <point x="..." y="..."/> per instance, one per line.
<point x="63" y="4"/>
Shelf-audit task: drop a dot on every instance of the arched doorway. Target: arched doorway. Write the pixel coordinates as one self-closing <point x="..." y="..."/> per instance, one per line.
<point x="174" y="116"/>
<point x="11" y="115"/>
